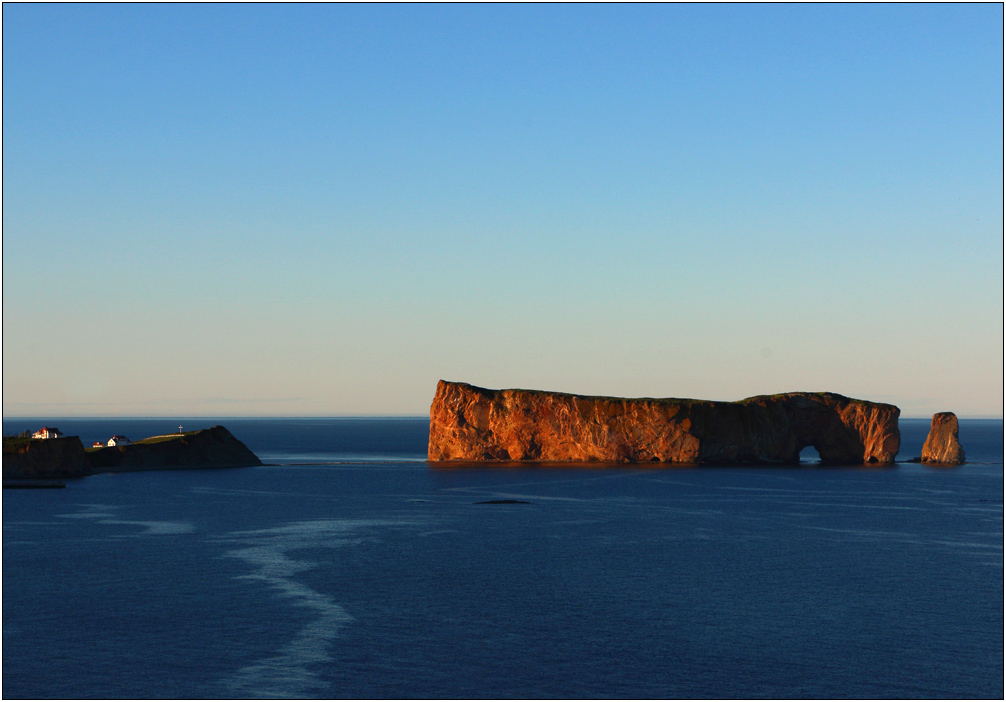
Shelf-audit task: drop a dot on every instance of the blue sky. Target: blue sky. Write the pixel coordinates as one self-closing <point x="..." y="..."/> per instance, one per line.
<point x="323" y="209"/>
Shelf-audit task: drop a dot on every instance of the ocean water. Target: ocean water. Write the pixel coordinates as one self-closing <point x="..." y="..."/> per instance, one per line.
<point x="350" y="568"/>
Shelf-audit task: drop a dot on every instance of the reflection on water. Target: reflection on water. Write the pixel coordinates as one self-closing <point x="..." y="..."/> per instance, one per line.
<point x="328" y="458"/>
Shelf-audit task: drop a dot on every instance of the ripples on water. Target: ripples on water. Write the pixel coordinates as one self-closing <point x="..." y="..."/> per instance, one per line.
<point x="379" y="579"/>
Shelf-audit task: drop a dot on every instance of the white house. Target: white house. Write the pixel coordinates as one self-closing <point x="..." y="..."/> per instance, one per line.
<point x="47" y="433"/>
<point x="119" y="441"/>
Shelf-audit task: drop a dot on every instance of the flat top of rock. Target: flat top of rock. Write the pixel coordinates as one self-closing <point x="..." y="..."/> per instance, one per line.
<point x="756" y="399"/>
<point x="944" y="418"/>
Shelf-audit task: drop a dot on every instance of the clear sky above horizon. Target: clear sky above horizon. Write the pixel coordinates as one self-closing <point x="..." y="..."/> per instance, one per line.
<point x="323" y="209"/>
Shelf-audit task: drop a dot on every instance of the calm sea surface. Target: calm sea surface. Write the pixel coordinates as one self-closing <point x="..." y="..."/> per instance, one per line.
<point x="352" y="569"/>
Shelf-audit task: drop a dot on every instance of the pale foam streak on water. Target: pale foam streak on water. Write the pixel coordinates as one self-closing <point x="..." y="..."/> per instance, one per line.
<point x="292" y="672"/>
<point x="107" y="514"/>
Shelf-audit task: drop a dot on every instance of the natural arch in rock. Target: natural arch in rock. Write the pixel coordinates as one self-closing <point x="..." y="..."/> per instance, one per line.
<point x="468" y="423"/>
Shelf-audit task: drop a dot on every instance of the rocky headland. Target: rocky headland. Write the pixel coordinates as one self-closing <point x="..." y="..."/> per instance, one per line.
<point x="67" y="458"/>
<point x="44" y="458"/>
<point x="942" y="446"/>
<point x="472" y="424"/>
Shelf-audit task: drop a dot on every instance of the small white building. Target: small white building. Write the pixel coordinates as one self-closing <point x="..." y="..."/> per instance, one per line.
<point x="97" y="444"/>
<point x="119" y="441"/>
<point x="47" y="433"/>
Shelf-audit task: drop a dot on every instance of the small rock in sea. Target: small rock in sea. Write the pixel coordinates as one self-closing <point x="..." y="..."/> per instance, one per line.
<point x="942" y="446"/>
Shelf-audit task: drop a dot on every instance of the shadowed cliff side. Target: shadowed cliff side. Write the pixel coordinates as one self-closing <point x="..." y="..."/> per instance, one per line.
<point x="469" y="423"/>
<point x="44" y="458"/>
<point x="206" y="448"/>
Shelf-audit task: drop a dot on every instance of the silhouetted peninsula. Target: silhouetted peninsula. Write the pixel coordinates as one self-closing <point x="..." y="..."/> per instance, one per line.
<point x="66" y="457"/>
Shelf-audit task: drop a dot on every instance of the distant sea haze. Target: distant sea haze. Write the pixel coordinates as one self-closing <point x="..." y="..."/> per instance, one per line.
<point x="351" y="568"/>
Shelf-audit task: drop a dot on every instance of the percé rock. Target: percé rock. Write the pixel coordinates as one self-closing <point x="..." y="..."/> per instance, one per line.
<point x="44" y="458"/>
<point x="206" y="448"/>
<point x="942" y="445"/>
<point x="469" y="423"/>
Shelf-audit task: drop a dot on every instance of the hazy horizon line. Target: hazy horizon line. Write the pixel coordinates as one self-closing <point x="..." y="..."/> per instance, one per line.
<point x="328" y="416"/>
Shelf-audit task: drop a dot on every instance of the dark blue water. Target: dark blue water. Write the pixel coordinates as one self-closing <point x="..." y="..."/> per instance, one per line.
<point x="352" y="569"/>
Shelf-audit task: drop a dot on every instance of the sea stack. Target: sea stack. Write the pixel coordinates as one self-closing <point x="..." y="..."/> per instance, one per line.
<point x="472" y="424"/>
<point x="942" y="445"/>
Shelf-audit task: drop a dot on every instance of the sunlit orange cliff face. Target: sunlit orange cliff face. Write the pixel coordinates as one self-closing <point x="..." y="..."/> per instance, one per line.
<point x="469" y="423"/>
<point x="942" y="445"/>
